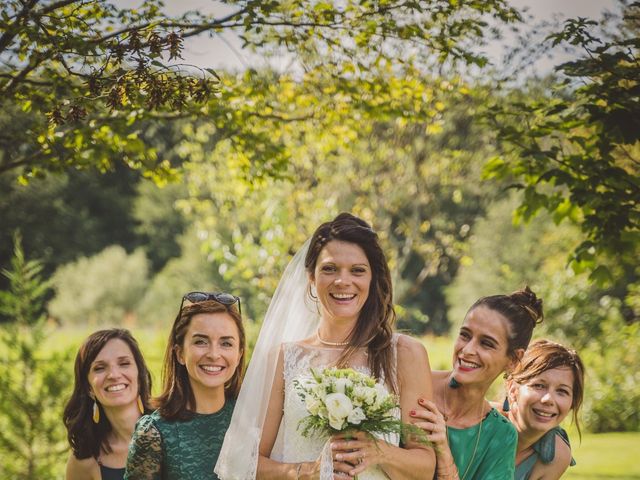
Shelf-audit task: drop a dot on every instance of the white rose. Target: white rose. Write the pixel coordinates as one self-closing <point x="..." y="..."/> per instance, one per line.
<point x="356" y="416"/>
<point x="336" y="423"/>
<point x="341" y="384"/>
<point x="368" y="395"/>
<point x="320" y="391"/>
<point x="381" y="395"/>
<point x="313" y="405"/>
<point x="338" y="406"/>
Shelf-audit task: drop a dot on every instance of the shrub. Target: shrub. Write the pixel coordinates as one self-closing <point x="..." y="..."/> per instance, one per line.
<point x="612" y="400"/>
<point x="103" y="289"/>
<point x="33" y="385"/>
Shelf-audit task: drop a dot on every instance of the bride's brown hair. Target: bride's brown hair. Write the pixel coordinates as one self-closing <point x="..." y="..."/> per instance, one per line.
<point x="373" y="329"/>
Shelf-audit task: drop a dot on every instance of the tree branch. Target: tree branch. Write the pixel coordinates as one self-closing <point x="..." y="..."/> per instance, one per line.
<point x="55" y="6"/>
<point x="198" y="28"/>
<point x="22" y="161"/>
<point x="12" y="30"/>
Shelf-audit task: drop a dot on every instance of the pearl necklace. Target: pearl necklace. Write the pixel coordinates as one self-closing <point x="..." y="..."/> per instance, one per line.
<point x="330" y="344"/>
<point x="446" y="417"/>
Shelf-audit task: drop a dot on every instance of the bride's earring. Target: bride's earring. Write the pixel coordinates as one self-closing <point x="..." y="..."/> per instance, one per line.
<point x="312" y="293"/>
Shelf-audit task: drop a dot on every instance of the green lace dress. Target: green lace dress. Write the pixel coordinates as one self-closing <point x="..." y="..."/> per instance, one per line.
<point x="488" y="456"/>
<point x="544" y="450"/>
<point x="177" y="450"/>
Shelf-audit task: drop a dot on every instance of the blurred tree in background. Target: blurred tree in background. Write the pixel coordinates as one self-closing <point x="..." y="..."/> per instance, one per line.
<point x="105" y="288"/>
<point x="575" y="151"/>
<point x="33" y="382"/>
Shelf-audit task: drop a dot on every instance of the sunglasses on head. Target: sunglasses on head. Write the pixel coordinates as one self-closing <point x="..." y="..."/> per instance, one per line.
<point x="220" y="297"/>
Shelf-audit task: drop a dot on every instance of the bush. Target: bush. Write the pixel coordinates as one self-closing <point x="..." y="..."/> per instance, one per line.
<point x="103" y="289"/>
<point x="191" y="271"/>
<point x="612" y="390"/>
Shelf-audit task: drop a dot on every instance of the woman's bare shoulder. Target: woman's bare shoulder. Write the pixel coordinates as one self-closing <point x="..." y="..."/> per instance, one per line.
<point x="82" y="469"/>
<point x="409" y="345"/>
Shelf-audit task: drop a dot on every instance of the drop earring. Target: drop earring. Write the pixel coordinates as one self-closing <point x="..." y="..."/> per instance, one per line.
<point x="453" y="383"/>
<point x="96" y="412"/>
<point x="140" y="405"/>
<point x="505" y="404"/>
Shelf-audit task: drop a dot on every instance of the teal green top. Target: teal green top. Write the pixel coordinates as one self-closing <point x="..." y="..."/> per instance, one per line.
<point x="177" y="450"/>
<point x="545" y="450"/>
<point x="495" y="455"/>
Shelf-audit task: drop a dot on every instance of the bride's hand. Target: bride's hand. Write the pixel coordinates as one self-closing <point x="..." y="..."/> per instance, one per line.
<point x="353" y="453"/>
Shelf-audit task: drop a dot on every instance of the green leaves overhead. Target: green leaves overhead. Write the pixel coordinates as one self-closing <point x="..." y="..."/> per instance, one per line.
<point x="577" y="153"/>
<point x="81" y="79"/>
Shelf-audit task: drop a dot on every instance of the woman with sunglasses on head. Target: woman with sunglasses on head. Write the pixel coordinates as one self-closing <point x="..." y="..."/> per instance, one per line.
<point x="111" y="391"/>
<point x="472" y="439"/>
<point x="543" y="388"/>
<point x="202" y="373"/>
<point x="333" y="307"/>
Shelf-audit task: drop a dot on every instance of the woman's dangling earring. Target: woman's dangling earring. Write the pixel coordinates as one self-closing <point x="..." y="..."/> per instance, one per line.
<point x="140" y="405"/>
<point x="453" y="383"/>
<point x="96" y="412"/>
<point x="505" y="404"/>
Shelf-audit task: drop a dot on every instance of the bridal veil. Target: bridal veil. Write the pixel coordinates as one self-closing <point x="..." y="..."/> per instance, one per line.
<point x="289" y="318"/>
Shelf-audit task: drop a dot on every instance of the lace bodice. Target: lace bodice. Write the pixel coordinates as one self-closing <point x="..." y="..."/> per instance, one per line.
<point x="298" y="360"/>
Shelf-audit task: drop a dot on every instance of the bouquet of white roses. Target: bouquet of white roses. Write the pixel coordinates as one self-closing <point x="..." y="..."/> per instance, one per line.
<point x="341" y="399"/>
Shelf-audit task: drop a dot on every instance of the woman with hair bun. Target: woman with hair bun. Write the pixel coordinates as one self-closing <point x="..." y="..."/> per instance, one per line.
<point x="472" y="439"/>
<point x="544" y="387"/>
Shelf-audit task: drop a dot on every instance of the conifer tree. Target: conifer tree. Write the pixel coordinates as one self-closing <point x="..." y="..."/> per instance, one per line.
<point x="33" y="382"/>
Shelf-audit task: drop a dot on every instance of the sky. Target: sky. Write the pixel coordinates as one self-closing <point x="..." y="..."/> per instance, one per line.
<point x="224" y="51"/>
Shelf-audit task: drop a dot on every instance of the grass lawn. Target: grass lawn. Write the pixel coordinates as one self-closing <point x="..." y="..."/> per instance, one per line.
<point x="605" y="456"/>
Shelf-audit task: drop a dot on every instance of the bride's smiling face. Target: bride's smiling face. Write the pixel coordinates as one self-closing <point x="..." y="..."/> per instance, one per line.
<point x="342" y="277"/>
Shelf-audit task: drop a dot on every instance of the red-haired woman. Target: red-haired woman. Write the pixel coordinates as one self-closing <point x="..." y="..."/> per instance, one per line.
<point x="543" y="389"/>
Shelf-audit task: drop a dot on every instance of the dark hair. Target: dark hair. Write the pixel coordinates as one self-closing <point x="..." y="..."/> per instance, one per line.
<point x="87" y="438"/>
<point x="523" y="311"/>
<point x="374" y="326"/>
<point x="177" y="395"/>
<point x="543" y="355"/>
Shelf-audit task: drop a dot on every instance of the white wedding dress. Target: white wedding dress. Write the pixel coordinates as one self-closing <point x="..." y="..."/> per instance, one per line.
<point x="298" y="360"/>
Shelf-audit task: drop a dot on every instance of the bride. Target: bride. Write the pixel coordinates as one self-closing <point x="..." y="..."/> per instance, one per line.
<point x="344" y="273"/>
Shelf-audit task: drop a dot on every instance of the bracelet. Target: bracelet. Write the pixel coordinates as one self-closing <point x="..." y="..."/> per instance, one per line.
<point x="298" y="471"/>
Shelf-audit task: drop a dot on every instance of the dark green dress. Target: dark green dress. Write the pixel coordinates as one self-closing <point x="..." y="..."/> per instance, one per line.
<point x="489" y="456"/>
<point x="177" y="450"/>
<point x="545" y="450"/>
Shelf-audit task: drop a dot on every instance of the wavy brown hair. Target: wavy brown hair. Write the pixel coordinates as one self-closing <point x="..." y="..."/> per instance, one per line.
<point x="523" y="311"/>
<point x="373" y="329"/>
<point x="88" y="439"/>
<point x="177" y="395"/>
<point x="543" y="355"/>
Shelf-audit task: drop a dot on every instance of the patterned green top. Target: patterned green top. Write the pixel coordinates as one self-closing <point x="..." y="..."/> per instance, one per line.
<point x="177" y="450"/>
<point x="489" y="456"/>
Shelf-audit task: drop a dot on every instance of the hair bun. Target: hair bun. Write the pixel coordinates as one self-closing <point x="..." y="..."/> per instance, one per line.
<point x="528" y="300"/>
